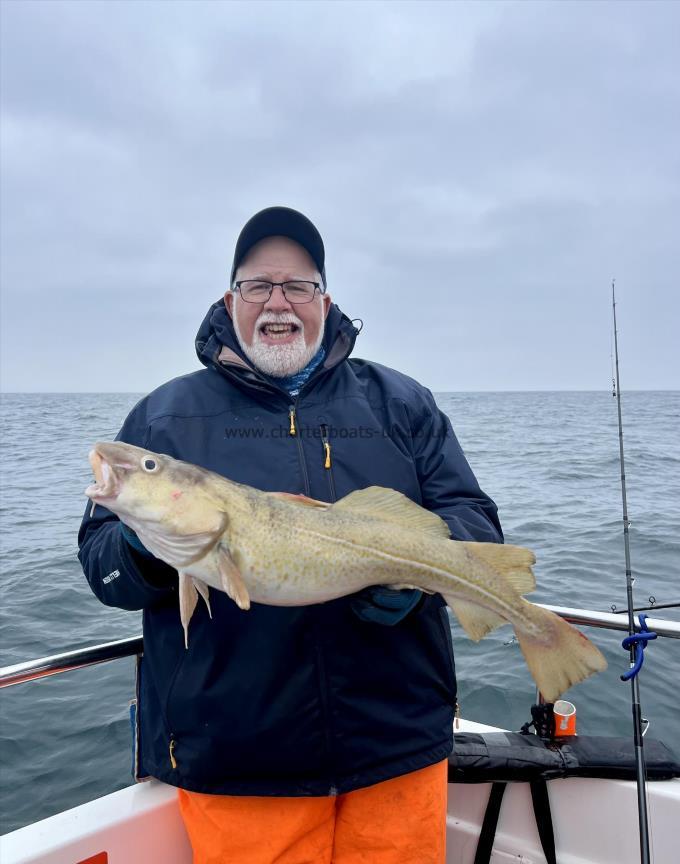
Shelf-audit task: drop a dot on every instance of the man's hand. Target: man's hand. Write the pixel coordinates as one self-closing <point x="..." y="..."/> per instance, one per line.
<point x="382" y="605"/>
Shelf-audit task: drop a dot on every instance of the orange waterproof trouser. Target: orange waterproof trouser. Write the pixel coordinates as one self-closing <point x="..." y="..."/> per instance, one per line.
<point x="399" y="821"/>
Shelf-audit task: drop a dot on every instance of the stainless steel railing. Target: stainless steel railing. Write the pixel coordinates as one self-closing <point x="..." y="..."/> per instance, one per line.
<point x="43" y="667"/>
<point x="91" y="655"/>
<point x="612" y="620"/>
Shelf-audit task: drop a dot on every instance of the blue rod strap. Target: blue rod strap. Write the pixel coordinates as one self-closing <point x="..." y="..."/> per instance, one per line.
<point x="639" y="641"/>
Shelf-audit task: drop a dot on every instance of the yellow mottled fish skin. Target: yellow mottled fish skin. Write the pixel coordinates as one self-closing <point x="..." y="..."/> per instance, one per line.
<point x="287" y="550"/>
<point x="291" y="555"/>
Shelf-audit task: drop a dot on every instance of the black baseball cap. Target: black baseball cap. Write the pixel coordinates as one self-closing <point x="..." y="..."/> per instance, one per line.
<point x="283" y="222"/>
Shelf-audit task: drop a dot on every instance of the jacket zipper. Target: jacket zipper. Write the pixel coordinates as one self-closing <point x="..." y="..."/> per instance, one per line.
<point x="257" y="382"/>
<point x="172" y="744"/>
<point x="325" y="711"/>
<point x="445" y="629"/>
<point x="137" y="732"/>
<point x="327" y="463"/>
<point x="321" y="666"/>
<point x="293" y="432"/>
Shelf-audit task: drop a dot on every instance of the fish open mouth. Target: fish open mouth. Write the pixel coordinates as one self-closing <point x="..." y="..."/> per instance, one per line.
<point x="107" y="477"/>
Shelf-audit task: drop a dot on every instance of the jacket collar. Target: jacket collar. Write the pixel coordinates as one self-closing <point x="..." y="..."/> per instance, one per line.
<point x="218" y="347"/>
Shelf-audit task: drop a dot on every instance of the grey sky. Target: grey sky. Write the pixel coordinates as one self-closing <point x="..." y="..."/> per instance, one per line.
<point x="478" y="172"/>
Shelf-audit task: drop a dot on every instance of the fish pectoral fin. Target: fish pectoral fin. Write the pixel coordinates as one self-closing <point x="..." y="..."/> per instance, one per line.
<point x="232" y="581"/>
<point x="476" y="620"/>
<point x="188" y="598"/>
<point x="203" y="590"/>
<point x="390" y="506"/>
<point x="512" y="562"/>
<point x="302" y="500"/>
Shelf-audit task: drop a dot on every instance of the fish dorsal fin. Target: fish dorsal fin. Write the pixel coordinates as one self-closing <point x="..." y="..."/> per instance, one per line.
<point x="302" y="500"/>
<point x="387" y="505"/>
<point x="512" y="562"/>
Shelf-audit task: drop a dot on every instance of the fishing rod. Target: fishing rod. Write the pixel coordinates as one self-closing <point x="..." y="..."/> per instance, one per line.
<point x="632" y="642"/>
<point x="654" y="605"/>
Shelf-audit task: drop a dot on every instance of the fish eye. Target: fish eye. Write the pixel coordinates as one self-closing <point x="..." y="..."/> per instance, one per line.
<point x="149" y="464"/>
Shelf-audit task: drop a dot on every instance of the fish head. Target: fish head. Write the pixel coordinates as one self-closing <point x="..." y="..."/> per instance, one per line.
<point x="150" y="490"/>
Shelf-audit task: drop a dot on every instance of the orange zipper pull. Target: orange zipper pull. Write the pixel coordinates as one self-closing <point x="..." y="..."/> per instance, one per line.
<point x="291" y="414"/>
<point x="326" y="445"/>
<point x="173" y="761"/>
<point x="456" y="724"/>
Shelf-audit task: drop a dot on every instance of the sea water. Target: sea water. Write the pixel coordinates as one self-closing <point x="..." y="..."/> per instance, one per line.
<point x="549" y="460"/>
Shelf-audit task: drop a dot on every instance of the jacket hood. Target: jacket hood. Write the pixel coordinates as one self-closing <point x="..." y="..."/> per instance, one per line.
<point x="217" y="345"/>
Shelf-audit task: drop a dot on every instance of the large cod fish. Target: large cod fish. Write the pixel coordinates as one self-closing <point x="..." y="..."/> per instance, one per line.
<point x="290" y="550"/>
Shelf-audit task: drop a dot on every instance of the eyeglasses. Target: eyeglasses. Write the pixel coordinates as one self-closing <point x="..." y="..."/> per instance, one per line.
<point x="259" y="291"/>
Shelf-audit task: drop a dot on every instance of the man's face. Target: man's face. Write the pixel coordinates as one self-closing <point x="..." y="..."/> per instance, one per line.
<point x="276" y="351"/>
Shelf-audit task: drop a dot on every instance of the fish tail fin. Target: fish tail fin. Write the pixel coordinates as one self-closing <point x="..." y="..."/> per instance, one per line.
<point x="560" y="657"/>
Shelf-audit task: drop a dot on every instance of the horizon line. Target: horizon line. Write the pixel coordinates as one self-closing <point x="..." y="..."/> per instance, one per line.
<point x="434" y="390"/>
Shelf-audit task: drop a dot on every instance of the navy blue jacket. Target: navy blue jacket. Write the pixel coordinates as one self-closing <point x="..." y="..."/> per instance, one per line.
<point x="291" y="701"/>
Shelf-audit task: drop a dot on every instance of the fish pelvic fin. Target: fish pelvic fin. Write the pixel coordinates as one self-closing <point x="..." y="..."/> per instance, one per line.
<point x="204" y="591"/>
<point x="561" y="657"/>
<point x="476" y="620"/>
<point x="188" y="598"/>
<point x="232" y="581"/>
<point x="512" y="562"/>
<point x="390" y="506"/>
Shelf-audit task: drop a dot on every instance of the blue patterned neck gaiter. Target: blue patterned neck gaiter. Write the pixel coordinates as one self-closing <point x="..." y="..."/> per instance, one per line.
<point x="294" y="383"/>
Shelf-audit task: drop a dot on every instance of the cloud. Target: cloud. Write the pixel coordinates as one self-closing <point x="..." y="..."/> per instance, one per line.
<point x="478" y="171"/>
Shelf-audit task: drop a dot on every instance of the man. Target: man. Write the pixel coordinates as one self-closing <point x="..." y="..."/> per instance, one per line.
<point x="314" y="734"/>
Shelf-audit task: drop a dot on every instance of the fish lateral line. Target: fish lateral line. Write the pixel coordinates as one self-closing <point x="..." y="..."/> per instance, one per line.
<point x="420" y="567"/>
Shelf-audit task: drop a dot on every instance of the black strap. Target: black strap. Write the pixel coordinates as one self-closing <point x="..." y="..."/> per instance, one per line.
<point x="488" y="832"/>
<point x="541" y="802"/>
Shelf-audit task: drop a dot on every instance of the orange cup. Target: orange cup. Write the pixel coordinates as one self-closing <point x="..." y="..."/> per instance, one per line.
<point x="565" y="718"/>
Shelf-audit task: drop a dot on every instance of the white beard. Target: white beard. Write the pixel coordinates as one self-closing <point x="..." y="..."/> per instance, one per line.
<point x="278" y="361"/>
